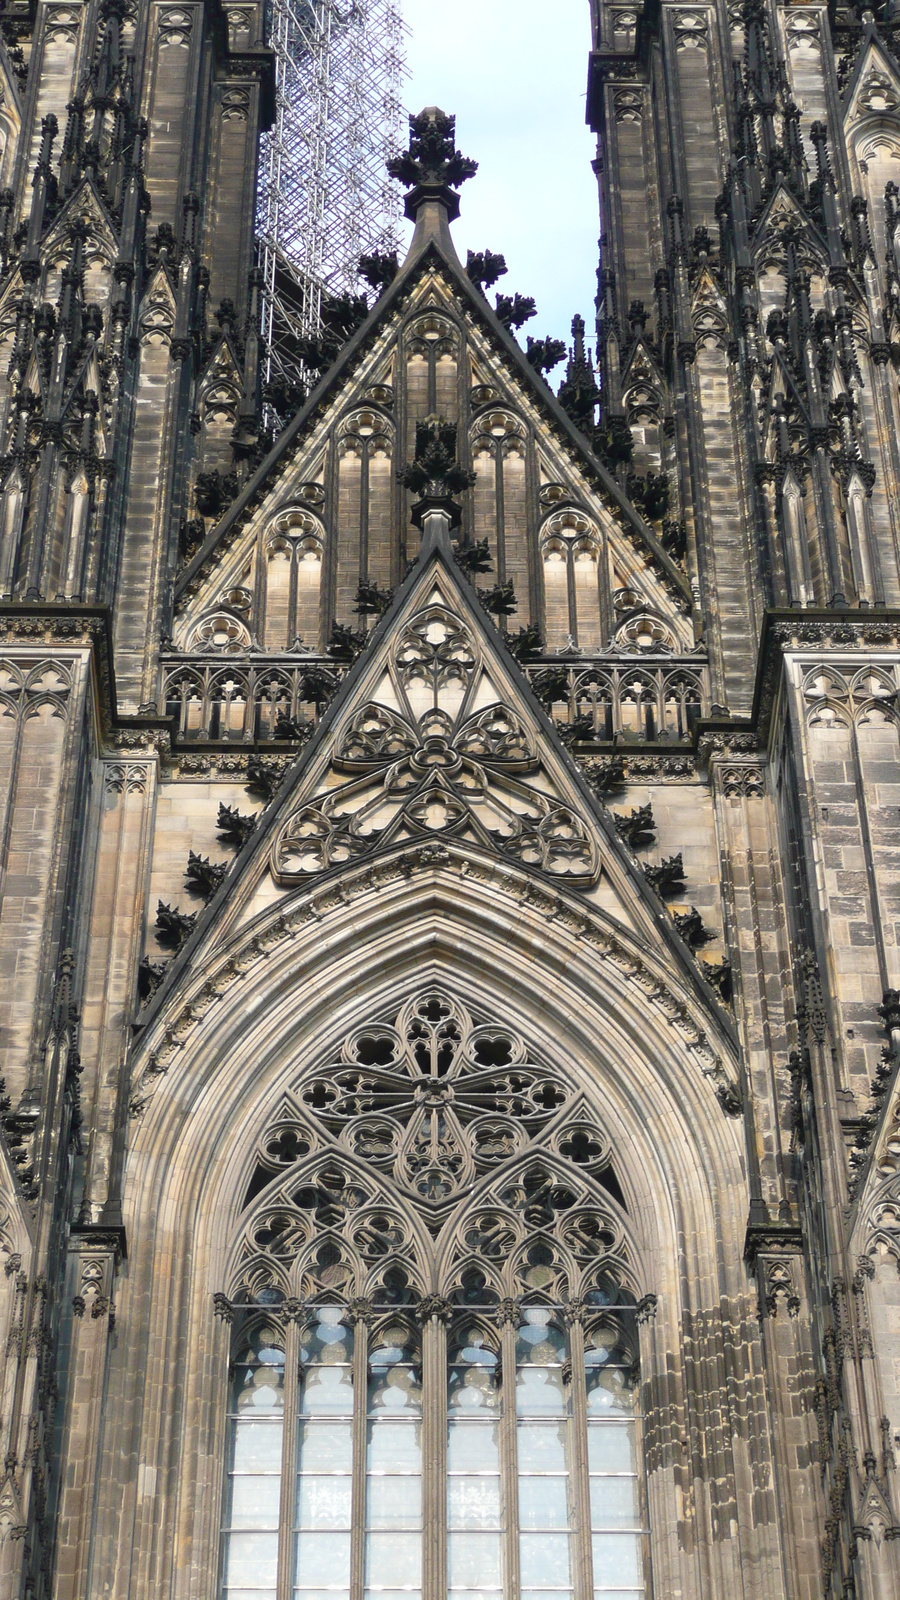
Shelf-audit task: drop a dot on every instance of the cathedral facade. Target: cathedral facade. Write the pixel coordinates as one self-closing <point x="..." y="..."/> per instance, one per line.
<point x="449" y="974"/>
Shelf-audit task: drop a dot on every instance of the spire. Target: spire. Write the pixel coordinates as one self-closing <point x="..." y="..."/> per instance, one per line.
<point x="432" y="169"/>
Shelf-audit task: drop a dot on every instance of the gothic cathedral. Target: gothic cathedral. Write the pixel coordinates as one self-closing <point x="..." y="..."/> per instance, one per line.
<point x="450" y="844"/>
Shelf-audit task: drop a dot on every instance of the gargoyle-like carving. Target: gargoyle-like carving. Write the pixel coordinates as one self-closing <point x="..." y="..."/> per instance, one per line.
<point x="638" y="828"/>
<point x="668" y="876"/>
<point x="232" y="826"/>
<point x="203" y="876"/>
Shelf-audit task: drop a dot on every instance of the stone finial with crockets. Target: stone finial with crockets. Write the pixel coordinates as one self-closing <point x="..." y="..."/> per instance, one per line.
<point x="432" y="168"/>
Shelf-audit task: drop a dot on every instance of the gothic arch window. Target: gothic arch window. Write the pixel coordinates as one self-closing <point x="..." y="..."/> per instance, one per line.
<point x="433" y="1306"/>
<point x="293" y="553"/>
<point x="570" y="550"/>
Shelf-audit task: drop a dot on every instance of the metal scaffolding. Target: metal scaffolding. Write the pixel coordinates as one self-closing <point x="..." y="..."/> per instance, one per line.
<point x="324" y="195"/>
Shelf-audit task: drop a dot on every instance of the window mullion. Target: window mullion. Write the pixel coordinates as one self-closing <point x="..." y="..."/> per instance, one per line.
<point x="360" y="1428"/>
<point x="434" y="1451"/>
<point x="509" y="1466"/>
<point x="570" y="587"/>
<point x="584" y="1573"/>
<point x="289" y="1456"/>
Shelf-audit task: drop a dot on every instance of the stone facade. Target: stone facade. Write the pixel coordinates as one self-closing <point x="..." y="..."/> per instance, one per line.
<point x="447" y="700"/>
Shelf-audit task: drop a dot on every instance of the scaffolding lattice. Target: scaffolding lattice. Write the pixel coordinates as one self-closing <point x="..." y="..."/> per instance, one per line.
<point x="324" y="195"/>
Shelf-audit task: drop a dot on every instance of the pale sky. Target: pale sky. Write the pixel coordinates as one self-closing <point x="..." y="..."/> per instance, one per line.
<point x="514" y="73"/>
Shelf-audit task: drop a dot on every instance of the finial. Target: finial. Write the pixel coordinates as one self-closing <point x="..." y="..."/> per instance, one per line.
<point x="432" y="168"/>
<point x="435" y="476"/>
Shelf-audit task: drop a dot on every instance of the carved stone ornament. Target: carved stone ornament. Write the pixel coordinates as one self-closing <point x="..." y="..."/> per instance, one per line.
<point x="429" y="1151"/>
<point x="435" y="755"/>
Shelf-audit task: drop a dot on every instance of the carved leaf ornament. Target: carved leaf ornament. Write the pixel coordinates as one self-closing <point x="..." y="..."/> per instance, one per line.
<point x="433" y="1154"/>
<point x="435" y="755"/>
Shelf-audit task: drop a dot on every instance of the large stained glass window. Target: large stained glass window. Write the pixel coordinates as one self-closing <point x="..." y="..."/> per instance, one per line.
<point x="434" y="1328"/>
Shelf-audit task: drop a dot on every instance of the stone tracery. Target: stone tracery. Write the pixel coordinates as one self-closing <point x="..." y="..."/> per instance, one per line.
<point x="433" y="1153"/>
<point x="452" y="760"/>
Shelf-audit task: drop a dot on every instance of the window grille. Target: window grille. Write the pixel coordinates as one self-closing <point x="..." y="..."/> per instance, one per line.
<point x="434" y="1374"/>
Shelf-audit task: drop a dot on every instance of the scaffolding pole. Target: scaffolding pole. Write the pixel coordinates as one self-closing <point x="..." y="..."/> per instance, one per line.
<point x="324" y="195"/>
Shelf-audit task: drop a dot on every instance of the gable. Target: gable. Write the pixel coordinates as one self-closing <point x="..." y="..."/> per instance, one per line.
<point x="432" y="745"/>
<point x="873" y="93"/>
<point x="430" y="350"/>
<point x="435" y="751"/>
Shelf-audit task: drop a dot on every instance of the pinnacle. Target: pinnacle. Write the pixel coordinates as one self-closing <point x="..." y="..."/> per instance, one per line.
<point x="431" y="169"/>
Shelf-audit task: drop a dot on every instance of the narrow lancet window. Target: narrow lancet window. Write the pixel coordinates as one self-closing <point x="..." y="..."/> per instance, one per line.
<point x="543" y="1447"/>
<point x="474" y="1500"/>
<point x="393" y="1554"/>
<point x="323" y="1504"/>
<point x="253" y="1498"/>
<point x="612" y="1465"/>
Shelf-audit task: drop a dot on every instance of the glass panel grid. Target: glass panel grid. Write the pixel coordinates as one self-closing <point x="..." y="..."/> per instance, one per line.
<point x="393" y="1501"/>
<point x="474" y="1510"/>
<point x="616" y="1533"/>
<point x="543" y="1445"/>
<point x="253" y="1494"/>
<point x="393" y="1533"/>
<point x="324" y="1476"/>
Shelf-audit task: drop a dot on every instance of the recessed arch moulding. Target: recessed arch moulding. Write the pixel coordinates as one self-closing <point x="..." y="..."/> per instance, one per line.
<point x="600" y="1014"/>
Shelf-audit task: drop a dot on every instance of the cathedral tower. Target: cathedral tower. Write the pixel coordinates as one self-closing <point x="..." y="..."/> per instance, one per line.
<point x="449" y="984"/>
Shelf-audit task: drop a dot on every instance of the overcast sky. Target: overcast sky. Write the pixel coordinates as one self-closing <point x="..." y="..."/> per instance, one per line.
<point x="514" y="73"/>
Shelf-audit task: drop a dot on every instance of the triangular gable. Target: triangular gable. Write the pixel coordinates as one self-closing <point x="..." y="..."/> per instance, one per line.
<point x="783" y="210"/>
<point x="86" y="205"/>
<point x="435" y="740"/>
<point x="873" y="89"/>
<point x="361" y="365"/>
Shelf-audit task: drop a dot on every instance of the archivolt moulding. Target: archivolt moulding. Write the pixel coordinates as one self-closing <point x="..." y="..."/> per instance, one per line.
<point x="316" y="913"/>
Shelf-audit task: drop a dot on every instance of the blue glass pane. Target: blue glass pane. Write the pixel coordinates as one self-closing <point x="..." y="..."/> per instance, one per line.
<point x="394" y="1390"/>
<point x="328" y="1389"/>
<point x="251" y="1559"/>
<point x="394" y="1502"/>
<point x="540" y="1389"/>
<point x="394" y="1446"/>
<point x="394" y="1558"/>
<point x="473" y="1559"/>
<point x="255" y="1502"/>
<point x="610" y="1389"/>
<point x="473" y="1502"/>
<point x="256" y="1446"/>
<point x="541" y="1446"/>
<point x="611" y="1448"/>
<point x="544" y="1559"/>
<point x="323" y="1502"/>
<point x="326" y="1446"/>
<point x="473" y="1390"/>
<point x="472" y="1446"/>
